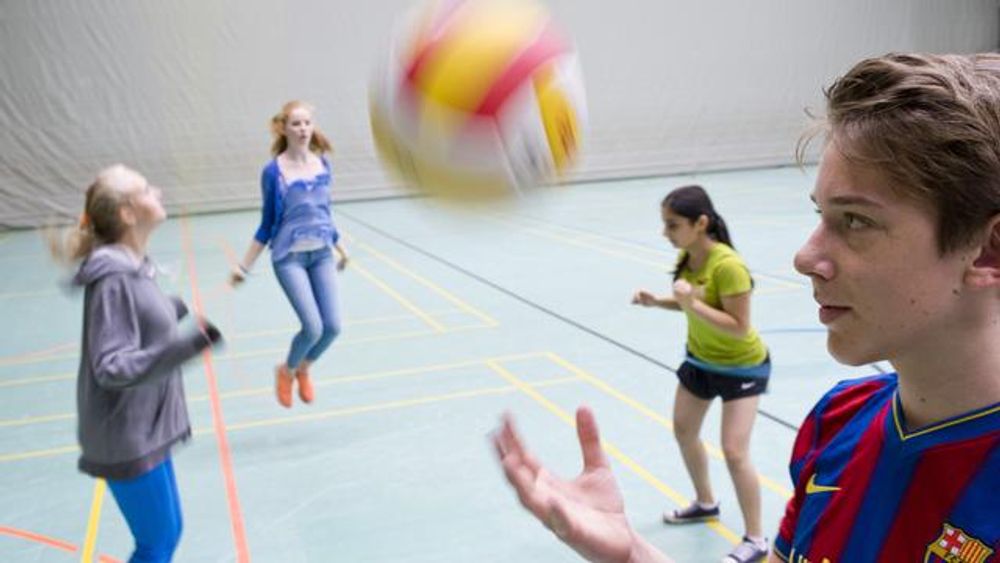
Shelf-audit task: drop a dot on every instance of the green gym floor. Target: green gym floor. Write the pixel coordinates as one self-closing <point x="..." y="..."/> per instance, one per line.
<point x="451" y="317"/>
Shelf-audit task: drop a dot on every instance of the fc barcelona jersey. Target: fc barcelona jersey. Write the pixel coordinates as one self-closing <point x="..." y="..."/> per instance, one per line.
<point x="868" y="488"/>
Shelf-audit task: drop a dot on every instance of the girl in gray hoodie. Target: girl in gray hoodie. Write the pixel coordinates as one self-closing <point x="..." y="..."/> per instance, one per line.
<point x="130" y="396"/>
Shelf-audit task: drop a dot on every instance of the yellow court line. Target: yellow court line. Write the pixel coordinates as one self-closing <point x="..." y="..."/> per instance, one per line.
<point x="390" y="318"/>
<point x="93" y="522"/>
<point x="613" y="451"/>
<point x="430" y="285"/>
<point x="363" y="321"/>
<point x="32" y="380"/>
<point x="35" y="420"/>
<point x="391" y="405"/>
<point x="354" y="342"/>
<point x="585" y="235"/>
<point x="342" y="380"/>
<point x="632" y="258"/>
<point x="406" y="303"/>
<point x="371" y="320"/>
<point x="238" y="336"/>
<point x="27" y="361"/>
<point x="660" y="265"/>
<point x="20" y="294"/>
<point x="45" y="355"/>
<point x="651" y="413"/>
<point x="48" y="452"/>
<point x="267" y="352"/>
<point x="588" y="236"/>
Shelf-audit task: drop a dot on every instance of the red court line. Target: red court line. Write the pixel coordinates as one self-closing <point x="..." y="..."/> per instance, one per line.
<point x="49" y="541"/>
<point x="225" y="456"/>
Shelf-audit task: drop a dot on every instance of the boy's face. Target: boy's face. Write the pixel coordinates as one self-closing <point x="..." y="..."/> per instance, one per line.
<point x="883" y="289"/>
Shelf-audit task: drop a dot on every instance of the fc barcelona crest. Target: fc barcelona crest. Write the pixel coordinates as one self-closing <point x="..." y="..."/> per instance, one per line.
<point x="955" y="546"/>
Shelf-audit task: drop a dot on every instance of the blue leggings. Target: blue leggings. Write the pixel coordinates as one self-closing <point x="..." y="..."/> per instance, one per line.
<point x="309" y="279"/>
<point x="152" y="508"/>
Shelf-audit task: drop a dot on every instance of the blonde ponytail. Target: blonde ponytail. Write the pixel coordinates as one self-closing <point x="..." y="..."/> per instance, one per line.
<point x="100" y="223"/>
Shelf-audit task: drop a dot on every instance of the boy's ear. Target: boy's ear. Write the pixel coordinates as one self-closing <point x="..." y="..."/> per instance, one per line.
<point x="984" y="271"/>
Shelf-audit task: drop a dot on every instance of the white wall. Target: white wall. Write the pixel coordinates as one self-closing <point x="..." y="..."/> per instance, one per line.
<point x="183" y="89"/>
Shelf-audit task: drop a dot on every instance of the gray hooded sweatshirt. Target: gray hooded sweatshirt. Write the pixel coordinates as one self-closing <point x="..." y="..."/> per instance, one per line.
<point x="129" y="394"/>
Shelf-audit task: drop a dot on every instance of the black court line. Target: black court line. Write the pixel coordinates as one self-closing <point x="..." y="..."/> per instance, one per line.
<point x="538" y="307"/>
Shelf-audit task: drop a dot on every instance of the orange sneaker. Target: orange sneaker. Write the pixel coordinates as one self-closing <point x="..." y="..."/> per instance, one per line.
<point x="283" y="385"/>
<point x="305" y="385"/>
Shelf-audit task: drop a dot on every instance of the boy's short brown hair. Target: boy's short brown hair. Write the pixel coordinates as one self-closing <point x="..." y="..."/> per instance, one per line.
<point x="931" y="123"/>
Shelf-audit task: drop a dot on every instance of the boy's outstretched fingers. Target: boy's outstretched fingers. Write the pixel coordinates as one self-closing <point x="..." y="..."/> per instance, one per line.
<point x="512" y="444"/>
<point x="590" y="440"/>
<point x="586" y="512"/>
<point x="520" y="468"/>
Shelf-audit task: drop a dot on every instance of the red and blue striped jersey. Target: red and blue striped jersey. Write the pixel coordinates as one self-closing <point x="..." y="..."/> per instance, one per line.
<point x="869" y="489"/>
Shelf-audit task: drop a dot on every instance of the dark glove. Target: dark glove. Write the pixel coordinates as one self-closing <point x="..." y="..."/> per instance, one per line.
<point x="211" y="332"/>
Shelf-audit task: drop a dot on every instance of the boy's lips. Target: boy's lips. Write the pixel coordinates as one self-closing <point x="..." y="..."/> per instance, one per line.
<point x="829" y="309"/>
<point x="830" y="313"/>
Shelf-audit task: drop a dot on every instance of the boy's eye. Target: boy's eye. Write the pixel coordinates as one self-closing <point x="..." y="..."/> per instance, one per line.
<point x="854" y="222"/>
<point x="850" y="221"/>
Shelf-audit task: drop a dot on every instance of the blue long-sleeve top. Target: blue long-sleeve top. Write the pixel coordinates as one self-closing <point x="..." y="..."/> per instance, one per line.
<point x="295" y="211"/>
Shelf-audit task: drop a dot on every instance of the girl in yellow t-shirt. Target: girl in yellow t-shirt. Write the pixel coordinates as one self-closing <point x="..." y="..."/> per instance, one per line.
<point x="725" y="358"/>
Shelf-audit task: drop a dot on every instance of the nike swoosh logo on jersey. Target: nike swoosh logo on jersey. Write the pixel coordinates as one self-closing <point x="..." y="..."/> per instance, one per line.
<point x="812" y="488"/>
<point x="747" y="385"/>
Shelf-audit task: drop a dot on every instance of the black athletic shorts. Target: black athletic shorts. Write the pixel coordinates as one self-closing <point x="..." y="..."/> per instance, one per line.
<point x="708" y="385"/>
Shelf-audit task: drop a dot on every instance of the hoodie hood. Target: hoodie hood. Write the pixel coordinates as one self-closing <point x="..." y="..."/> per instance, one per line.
<point x="111" y="259"/>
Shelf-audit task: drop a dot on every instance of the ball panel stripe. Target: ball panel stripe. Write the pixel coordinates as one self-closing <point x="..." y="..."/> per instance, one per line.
<point x="435" y="177"/>
<point x="562" y="128"/>
<point x="426" y="44"/>
<point x="475" y="50"/>
<point x="478" y="100"/>
<point x="546" y="46"/>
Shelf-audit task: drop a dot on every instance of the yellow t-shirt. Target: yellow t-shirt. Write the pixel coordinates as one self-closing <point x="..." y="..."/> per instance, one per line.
<point x="723" y="274"/>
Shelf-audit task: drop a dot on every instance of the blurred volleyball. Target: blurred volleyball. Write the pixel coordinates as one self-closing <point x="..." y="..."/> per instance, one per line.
<point x="478" y="99"/>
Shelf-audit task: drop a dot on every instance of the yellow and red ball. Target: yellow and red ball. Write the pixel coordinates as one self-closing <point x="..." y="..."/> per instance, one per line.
<point x="478" y="99"/>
